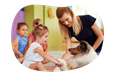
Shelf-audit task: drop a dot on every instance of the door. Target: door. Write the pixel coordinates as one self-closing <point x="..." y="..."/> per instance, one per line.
<point x="19" y="17"/>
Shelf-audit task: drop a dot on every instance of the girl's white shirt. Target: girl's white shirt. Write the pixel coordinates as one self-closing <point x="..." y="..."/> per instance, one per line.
<point x="31" y="56"/>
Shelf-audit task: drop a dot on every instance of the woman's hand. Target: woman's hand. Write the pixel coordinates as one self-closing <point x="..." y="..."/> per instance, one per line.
<point x="67" y="54"/>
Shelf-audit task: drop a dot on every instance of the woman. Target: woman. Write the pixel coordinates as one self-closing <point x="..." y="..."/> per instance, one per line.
<point x="81" y="27"/>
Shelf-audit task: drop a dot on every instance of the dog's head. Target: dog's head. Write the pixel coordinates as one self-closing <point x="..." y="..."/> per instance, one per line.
<point x="83" y="47"/>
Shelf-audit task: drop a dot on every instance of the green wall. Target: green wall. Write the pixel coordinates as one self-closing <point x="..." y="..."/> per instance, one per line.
<point x="40" y="11"/>
<point x="33" y="12"/>
<point x="52" y="24"/>
<point x="29" y="17"/>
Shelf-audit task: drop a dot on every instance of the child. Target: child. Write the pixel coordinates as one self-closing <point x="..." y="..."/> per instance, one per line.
<point x="35" y="53"/>
<point x="37" y="22"/>
<point x="19" y="44"/>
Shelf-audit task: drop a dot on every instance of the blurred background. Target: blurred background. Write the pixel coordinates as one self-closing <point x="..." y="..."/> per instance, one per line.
<point x="11" y="14"/>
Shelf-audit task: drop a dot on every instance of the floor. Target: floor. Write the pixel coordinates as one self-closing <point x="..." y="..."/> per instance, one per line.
<point x="61" y="47"/>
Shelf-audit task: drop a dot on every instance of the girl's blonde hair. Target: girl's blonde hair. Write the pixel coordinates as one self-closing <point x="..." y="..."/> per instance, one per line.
<point x="76" y="21"/>
<point x="39" y="31"/>
<point x="36" y="21"/>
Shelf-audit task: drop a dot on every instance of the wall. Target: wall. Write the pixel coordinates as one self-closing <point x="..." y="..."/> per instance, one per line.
<point x="52" y="24"/>
<point x="38" y="11"/>
<point x="33" y="12"/>
<point x="29" y="17"/>
<point x="18" y="17"/>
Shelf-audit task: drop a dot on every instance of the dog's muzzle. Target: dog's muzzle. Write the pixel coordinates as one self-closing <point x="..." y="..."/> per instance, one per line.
<point x="72" y="53"/>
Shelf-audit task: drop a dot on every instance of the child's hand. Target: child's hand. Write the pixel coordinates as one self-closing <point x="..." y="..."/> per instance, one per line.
<point x="21" y="59"/>
<point x="58" y="64"/>
<point x="20" y="55"/>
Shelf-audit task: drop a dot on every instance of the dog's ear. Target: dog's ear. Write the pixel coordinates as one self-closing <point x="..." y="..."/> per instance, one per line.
<point x="83" y="45"/>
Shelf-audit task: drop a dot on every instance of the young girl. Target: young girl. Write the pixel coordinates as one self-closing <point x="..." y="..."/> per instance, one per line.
<point x="35" y="53"/>
<point x="37" y="22"/>
<point x="19" y="44"/>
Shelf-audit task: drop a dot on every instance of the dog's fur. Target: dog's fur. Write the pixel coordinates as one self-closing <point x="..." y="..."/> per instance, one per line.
<point x="83" y="54"/>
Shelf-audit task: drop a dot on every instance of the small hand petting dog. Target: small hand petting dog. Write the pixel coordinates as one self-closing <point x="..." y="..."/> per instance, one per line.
<point x="59" y="64"/>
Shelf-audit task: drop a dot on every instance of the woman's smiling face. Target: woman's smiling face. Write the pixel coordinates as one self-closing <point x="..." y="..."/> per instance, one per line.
<point x="66" y="19"/>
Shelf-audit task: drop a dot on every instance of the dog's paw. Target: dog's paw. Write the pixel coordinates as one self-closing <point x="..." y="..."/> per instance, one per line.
<point x="62" y="61"/>
<point x="64" y="66"/>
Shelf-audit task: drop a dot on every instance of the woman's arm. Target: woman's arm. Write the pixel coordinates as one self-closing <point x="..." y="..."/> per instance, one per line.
<point x="45" y="55"/>
<point x="46" y="47"/>
<point x="67" y="54"/>
<point x="99" y="35"/>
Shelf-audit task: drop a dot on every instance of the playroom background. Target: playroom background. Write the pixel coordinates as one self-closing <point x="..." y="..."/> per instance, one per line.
<point x="11" y="14"/>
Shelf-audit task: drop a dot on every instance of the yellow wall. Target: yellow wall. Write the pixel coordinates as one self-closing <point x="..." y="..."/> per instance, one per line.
<point x="33" y="12"/>
<point x="38" y="12"/>
<point x="29" y="17"/>
<point x="52" y="24"/>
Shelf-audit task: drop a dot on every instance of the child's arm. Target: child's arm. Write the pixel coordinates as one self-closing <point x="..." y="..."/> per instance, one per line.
<point x="29" y="41"/>
<point x="15" y="47"/>
<point x="46" y="47"/>
<point x="26" y="48"/>
<point x="45" y="55"/>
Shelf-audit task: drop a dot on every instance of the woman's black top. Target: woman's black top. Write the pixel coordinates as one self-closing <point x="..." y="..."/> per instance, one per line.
<point x="86" y="33"/>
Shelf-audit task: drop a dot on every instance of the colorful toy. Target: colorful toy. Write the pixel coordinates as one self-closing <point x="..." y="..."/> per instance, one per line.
<point x="50" y="13"/>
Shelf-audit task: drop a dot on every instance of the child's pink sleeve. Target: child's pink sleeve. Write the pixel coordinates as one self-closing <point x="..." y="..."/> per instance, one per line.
<point x="30" y="35"/>
<point x="43" y="47"/>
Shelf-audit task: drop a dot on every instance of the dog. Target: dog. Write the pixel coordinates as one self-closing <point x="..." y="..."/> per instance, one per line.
<point x="83" y="54"/>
